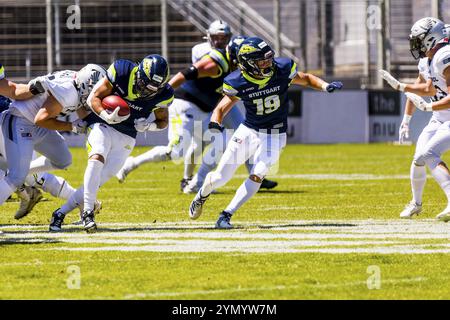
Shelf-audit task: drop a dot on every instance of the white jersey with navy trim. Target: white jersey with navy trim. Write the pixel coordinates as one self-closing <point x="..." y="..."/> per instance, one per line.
<point x="61" y="86"/>
<point x="433" y="69"/>
<point x="200" y="50"/>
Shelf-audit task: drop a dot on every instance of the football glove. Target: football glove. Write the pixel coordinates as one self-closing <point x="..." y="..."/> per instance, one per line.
<point x="113" y="117"/>
<point x="335" y="85"/>
<point x="143" y="124"/>
<point x="214" y="126"/>
<point x="79" y="126"/>
<point x="419" y="102"/>
<point x="403" y="132"/>
<point x="394" y="83"/>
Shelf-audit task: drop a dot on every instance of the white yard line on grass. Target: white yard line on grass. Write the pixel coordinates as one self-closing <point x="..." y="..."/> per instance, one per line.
<point x="143" y="295"/>
<point x="281" y="236"/>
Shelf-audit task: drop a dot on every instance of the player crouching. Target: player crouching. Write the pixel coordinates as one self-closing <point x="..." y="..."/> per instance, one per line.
<point x="111" y="137"/>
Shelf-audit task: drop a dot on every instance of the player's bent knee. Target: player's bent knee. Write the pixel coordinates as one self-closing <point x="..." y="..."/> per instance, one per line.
<point x="429" y="158"/>
<point x="97" y="157"/>
<point x="255" y="178"/>
<point x="64" y="162"/>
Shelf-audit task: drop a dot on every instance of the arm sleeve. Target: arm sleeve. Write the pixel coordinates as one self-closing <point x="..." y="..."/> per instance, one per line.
<point x="111" y="73"/>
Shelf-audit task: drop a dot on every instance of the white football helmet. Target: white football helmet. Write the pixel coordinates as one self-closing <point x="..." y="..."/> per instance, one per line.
<point x="426" y="34"/>
<point x="86" y="79"/>
<point x="218" y="34"/>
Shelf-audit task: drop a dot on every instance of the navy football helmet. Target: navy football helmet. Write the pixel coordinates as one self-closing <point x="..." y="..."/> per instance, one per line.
<point x="152" y="75"/>
<point x="233" y="48"/>
<point x="256" y="57"/>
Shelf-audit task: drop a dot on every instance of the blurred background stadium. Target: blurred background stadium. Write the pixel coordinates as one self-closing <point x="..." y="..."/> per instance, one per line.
<point x="347" y="40"/>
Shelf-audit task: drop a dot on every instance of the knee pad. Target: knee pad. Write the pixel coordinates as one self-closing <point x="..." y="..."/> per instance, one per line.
<point x="429" y="158"/>
<point x="260" y="170"/>
<point x="64" y="162"/>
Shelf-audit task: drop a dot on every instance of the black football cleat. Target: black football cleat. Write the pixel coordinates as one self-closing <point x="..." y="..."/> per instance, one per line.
<point x="268" y="184"/>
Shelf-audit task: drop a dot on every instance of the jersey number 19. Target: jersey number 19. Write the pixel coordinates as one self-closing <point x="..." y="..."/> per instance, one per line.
<point x="268" y="105"/>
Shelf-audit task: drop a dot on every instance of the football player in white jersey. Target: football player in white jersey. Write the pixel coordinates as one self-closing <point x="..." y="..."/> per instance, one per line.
<point x="30" y="125"/>
<point x="29" y="194"/>
<point x="429" y="42"/>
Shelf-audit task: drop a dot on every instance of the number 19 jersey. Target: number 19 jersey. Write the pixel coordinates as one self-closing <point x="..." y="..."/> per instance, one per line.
<point x="266" y="100"/>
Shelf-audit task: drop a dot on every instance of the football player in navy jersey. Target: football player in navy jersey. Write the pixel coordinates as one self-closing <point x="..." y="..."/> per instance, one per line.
<point x="262" y="84"/>
<point x="111" y="137"/>
<point x="199" y="91"/>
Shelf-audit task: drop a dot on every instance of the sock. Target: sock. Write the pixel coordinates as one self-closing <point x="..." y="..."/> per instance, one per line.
<point x="443" y="179"/>
<point x="92" y="178"/>
<point x="5" y="190"/>
<point x="202" y="172"/>
<point x="247" y="190"/>
<point x="157" y="154"/>
<point x="418" y="176"/>
<point x="57" y="186"/>
<point x="41" y="164"/>
<point x="75" y="200"/>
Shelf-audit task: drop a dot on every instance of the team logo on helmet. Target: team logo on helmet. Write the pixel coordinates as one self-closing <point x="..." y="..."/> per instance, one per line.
<point x="247" y="49"/>
<point x="147" y="66"/>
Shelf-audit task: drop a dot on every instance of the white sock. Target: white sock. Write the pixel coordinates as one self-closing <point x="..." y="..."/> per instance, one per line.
<point x="5" y="190"/>
<point x="75" y="200"/>
<point x="41" y="164"/>
<point x="418" y="176"/>
<point x="57" y="186"/>
<point x="92" y="178"/>
<point x="202" y="172"/>
<point x="157" y="154"/>
<point x="247" y="190"/>
<point x="443" y="179"/>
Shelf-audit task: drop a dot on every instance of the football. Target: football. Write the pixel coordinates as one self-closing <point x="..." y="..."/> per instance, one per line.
<point x="110" y="103"/>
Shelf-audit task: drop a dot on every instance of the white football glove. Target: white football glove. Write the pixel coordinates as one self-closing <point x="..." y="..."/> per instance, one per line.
<point x="79" y="126"/>
<point x="143" y="124"/>
<point x="403" y="132"/>
<point x="394" y="83"/>
<point x="419" y="102"/>
<point x="113" y="117"/>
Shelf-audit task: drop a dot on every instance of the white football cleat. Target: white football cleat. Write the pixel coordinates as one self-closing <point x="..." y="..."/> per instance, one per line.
<point x="126" y="169"/>
<point x="410" y="210"/>
<point x="29" y="197"/>
<point x="444" y="215"/>
<point x="195" y="209"/>
<point x="97" y="209"/>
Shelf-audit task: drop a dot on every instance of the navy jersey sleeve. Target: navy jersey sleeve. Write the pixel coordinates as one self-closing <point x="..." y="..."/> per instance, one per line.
<point x="2" y="72"/>
<point x="232" y="84"/>
<point x="287" y="67"/>
<point x="219" y="56"/>
<point x="165" y="98"/>
<point x="119" y="71"/>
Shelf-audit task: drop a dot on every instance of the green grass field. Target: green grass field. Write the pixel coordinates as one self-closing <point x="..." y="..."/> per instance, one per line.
<point x="329" y="228"/>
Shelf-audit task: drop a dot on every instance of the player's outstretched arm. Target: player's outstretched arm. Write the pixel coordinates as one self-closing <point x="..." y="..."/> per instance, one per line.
<point x="420" y="87"/>
<point x="311" y="81"/>
<point x="206" y="67"/>
<point x="442" y="104"/>
<point x="14" y="90"/>
<point x="221" y="110"/>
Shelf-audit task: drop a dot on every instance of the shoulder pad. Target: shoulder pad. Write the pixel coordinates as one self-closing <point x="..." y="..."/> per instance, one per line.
<point x="220" y="57"/>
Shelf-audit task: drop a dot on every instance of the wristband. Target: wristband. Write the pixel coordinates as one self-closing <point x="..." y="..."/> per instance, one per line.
<point x="406" y="118"/>
<point x="324" y="86"/>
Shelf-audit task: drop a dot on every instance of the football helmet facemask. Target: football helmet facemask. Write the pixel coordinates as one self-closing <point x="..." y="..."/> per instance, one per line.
<point x="426" y="34"/>
<point x="152" y="75"/>
<point x="218" y="34"/>
<point x="256" y="58"/>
